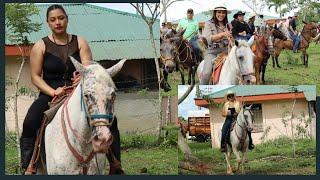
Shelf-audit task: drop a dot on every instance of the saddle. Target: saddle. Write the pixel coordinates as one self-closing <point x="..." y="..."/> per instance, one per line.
<point x="218" y="66"/>
<point x="38" y="150"/>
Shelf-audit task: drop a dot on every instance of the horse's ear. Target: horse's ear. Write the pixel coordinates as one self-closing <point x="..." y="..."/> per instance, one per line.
<point x="236" y="42"/>
<point x="250" y="42"/>
<point x="116" y="68"/>
<point x="180" y="33"/>
<point x="79" y="67"/>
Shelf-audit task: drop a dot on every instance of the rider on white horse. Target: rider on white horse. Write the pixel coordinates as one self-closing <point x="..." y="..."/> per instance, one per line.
<point x="216" y="33"/>
<point x="230" y="111"/>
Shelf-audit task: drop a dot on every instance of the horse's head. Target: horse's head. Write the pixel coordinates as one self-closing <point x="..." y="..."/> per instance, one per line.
<point x="248" y="117"/>
<point x="244" y="58"/>
<point x="310" y="28"/>
<point x="169" y="50"/>
<point x="97" y="101"/>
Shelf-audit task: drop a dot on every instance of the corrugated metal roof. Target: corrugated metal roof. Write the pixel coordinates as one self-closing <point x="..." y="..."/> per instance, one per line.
<point x="243" y="90"/>
<point x="111" y="34"/>
<point x="206" y="15"/>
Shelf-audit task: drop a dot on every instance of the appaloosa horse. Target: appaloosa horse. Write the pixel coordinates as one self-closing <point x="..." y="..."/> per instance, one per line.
<point x="78" y="138"/>
<point x="308" y="32"/>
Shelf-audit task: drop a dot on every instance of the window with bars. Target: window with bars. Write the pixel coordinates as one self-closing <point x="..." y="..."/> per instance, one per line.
<point x="256" y="110"/>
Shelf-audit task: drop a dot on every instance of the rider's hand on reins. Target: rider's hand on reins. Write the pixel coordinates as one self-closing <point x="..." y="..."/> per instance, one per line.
<point x="59" y="91"/>
<point x="76" y="78"/>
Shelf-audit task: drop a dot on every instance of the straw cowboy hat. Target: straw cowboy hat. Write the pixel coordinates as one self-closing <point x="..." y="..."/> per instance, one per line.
<point x="220" y="7"/>
<point x="253" y="14"/>
<point x="229" y="92"/>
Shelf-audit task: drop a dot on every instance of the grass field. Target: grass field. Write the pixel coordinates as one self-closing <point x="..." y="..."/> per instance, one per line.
<point x="140" y="155"/>
<point x="292" y="72"/>
<point x="271" y="158"/>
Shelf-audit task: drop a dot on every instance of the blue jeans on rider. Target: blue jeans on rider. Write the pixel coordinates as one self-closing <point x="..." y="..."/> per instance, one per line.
<point x="246" y="38"/>
<point x="226" y="130"/>
<point x="296" y="41"/>
<point x="194" y="43"/>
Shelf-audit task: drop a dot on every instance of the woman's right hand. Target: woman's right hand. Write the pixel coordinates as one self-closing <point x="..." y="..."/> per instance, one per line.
<point x="226" y="34"/>
<point x="59" y="91"/>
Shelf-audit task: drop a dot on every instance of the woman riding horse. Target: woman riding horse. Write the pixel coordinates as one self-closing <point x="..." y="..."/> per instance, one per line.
<point x="216" y="34"/>
<point x="230" y="111"/>
<point x="51" y="71"/>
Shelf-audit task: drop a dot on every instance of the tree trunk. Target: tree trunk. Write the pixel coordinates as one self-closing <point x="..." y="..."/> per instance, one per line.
<point x="292" y="126"/>
<point x="192" y="163"/>
<point x="16" y="95"/>
<point x="185" y="95"/>
<point x="158" y="76"/>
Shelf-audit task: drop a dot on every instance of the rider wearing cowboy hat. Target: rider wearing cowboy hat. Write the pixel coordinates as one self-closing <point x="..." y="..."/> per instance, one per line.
<point x="216" y="32"/>
<point x="230" y="111"/>
<point x="251" y="26"/>
<point x="240" y="29"/>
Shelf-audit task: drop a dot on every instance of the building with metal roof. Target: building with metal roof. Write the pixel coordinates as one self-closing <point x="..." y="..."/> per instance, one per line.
<point x="273" y="106"/>
<point x="112" y="35"/>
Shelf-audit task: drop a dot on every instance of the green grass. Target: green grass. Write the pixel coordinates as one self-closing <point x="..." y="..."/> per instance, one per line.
<point x="156" y="160"/>
<point x="138" y="152"/>
<point x="293" y="72"/>
<point x="272" y="158"/>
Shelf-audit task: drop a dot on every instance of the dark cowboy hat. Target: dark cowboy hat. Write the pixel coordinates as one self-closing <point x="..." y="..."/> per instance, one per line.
<point x="238" y="13"/>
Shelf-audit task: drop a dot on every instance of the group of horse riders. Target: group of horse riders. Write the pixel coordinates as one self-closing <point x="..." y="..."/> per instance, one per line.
<point x="217" y="32"/>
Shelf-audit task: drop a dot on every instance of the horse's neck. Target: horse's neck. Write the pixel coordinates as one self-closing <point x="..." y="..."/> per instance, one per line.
<point x="229" y="72"/>
<point x="77" y="116"/>
<point x="306" y="35"/>
<point x="240" y="125"/>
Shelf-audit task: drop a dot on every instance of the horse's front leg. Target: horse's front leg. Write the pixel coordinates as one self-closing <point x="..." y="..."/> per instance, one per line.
<point x="257" y="73"/>
<point x="243" y="158"/>
<point x="181" y="74"/>
<point x="239" y="159"/>
<point x="229" y="168"/>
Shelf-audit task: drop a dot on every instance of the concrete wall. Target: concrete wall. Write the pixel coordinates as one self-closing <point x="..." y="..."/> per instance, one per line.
<point x="135" y="113"/>
<point x="272" y="113"/>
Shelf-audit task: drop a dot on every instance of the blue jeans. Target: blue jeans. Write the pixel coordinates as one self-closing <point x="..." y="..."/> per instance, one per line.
<point x="194" y="43"/>
<point x="296" y="40"/>
<point x="246" y="38"/>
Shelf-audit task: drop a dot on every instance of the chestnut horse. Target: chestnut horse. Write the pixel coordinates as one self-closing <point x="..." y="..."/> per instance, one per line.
<point x="308" y="32"/>
<point x="260" y="50"/>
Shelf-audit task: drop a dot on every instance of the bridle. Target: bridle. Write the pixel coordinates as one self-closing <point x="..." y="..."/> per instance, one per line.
<point x="91" y="118"/>
<point x="244" y="129"/>
<point x="240" y="69"/>
<point x="306" y="31"/>
<point x="84" y="162"/>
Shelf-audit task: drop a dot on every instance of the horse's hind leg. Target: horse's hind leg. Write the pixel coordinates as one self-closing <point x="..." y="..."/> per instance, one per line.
<point x="307" y="59"/>
<point x="194" y="69"/>
<point x="190" y="73"/>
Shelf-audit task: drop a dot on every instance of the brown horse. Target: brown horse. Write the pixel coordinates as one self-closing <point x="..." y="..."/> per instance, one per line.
<point x="177" y="53"/>
<point x="260" y="49"/>
<point x="308" y="32"/>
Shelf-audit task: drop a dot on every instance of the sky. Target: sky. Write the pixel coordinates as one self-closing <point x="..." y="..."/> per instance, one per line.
<point x="178" y="10"/>
<point x="188" y="107"/>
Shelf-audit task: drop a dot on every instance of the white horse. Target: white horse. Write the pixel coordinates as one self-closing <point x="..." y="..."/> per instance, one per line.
<point x="238" y="68"/>
<point x="77" y="139"/>
<point x="239" y="139"/>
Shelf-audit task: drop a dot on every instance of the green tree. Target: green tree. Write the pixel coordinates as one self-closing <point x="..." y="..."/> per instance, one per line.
<point x="19" y="25"/>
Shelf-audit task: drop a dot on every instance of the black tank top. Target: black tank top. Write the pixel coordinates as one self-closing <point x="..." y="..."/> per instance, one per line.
<point x="57" y="66"/>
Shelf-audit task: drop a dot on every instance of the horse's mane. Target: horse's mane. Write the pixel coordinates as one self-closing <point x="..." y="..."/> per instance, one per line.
<point x="96" y="70"/>
<point x="278" y="34"/>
